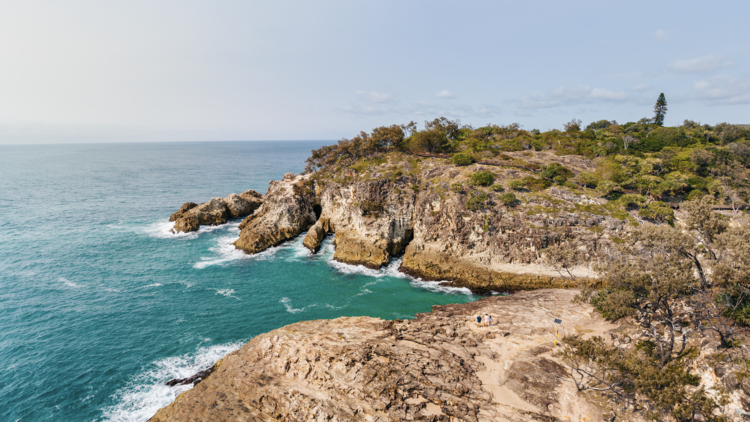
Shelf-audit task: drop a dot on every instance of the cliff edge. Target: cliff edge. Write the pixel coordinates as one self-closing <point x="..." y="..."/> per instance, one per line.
<point x="439" y="366"/>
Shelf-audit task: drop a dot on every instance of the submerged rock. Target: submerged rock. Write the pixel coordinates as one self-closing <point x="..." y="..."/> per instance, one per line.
<point x="191" y="216"/>
<point x="439" y="366"/>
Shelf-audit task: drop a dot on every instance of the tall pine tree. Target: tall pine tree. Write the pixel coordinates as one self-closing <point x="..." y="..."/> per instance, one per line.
<point x="660" y="110"/>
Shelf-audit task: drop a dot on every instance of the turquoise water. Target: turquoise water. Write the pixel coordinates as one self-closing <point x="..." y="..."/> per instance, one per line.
<point x="100" y="304"/>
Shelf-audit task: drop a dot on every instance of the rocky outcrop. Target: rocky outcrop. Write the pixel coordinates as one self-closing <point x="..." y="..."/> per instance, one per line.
<point x="439" y="366"/>
<point x="289" y="209"/>
<point x="191" y="216"/>
<point x="315" y="235"/>
<point x="372" y="220"/>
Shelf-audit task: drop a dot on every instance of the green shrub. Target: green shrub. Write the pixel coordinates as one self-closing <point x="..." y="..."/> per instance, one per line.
<point x="556" y="172"/>
<point x="462" y="159"/>
<point x="396" y="175"/>
<point x="457" y="187"/>
<point x="517" y="184"/>
<point x="497" y="187"/>
<point x="658" y="211"/>
<point x="587" y="180"/>
<point x="632" y="200"/>
<point x="694" y="194"/>
<point x="508" y="199"/>
<point x="608" y="189"/>
<point x="483" y="178"/>
<point x="476" y="200"/>
<point x="534" y="184"/>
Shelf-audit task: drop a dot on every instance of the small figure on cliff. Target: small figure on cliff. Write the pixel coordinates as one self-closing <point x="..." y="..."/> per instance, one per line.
<point x="487" y="320"/>
<point x="479" y="320"/>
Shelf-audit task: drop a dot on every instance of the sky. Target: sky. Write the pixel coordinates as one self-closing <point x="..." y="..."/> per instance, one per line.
<point x="142" y="71"/>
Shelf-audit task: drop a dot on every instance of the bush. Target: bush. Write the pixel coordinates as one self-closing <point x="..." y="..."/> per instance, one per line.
<point x="457" y="187"/>
<point x="534" y="184"/>
<point x="508" y="199"/>
<point x="587" y="180"/>
<point x="658" y="211"/>
<point x="632" y="200"/>
<point x="476" y="200"/>
<point x="518" y="184"/>
<point x="483" y="178"/>
<point x="396" y="175"/>
<point x="556" y="172"/>
<point x="462" y="159"/>
<point x="497" y="187"/>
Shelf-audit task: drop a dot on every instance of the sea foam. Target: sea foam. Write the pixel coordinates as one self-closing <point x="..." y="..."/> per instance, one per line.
<point x="147" y="392"/>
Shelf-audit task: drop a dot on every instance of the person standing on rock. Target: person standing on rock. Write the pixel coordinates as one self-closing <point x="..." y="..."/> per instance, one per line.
<point x="479" y="320"/>
<point x="486" y="320"/>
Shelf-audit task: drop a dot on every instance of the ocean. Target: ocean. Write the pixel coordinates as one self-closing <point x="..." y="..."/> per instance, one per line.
<point x="100" y="304"/>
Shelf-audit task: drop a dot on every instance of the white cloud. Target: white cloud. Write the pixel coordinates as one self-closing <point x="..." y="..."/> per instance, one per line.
<point x="661" y="35"/>
<point x="446" y="95"/>
<point x="700" y="64"/>
<point x="376" y="97"/>
<point x="641" y="87"/>
<point x="723" y="89"/>
<point x="566" y="95"/>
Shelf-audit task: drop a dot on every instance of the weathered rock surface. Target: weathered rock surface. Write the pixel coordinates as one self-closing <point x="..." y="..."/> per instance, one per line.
<point x="288" y="210"/>
<point x="191" y="216"/>
<point x="439" y="366"/>
<point x="315" y="235"/>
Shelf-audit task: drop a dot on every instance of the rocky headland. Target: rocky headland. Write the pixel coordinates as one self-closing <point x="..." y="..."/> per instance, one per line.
<point x="427" y="210"/>
<point x="216" y="211"/>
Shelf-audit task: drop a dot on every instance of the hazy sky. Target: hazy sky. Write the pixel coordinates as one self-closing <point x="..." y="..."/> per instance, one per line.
<point x="109" y="71"/>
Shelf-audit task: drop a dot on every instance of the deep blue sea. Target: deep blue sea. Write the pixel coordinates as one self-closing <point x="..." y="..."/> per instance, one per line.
<point x="100" y="304"/>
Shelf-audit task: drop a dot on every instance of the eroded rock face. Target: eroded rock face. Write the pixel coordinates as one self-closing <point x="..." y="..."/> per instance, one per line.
<point x="372" y="220"/>
<point x="439" y="366"/>
<point x="191" y="216"/>
<point x="286" y="212"/>
<point x="315" y="236"/>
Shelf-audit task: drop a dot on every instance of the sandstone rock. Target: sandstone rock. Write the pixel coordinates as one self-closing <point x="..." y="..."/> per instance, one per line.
<point x="315" y="237"/>
<point x="216" y="211"/>
<point x="243" y="204"/>
<point x="439" y="366"/>
<point x="183" y="209"/>
<point x="287" y="211"/>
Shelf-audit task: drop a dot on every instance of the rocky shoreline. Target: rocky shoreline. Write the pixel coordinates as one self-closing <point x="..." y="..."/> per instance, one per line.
<point x="439" y="366"/>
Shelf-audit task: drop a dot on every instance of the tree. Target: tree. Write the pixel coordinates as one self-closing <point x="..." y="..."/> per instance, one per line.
<point x="660" y="109"/>
<point x="573" y="126"/>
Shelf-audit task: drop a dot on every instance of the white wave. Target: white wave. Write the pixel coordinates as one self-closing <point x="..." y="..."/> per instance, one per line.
<point x="392" y="270"/>
<point x="69" y="283"/>
<point x="163" y="230"/>
<point x="436" y="286"/>
<point x="146" y="393"/>
<point x="285" y="301"/>
<point x="224" y="251"/>
<point x="226" y="293"/>
<point x="154" y="285"/>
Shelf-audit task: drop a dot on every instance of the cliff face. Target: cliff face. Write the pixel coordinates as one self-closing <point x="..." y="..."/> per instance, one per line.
<point x="437" y="367"/>
<point x="446" y="227"/>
